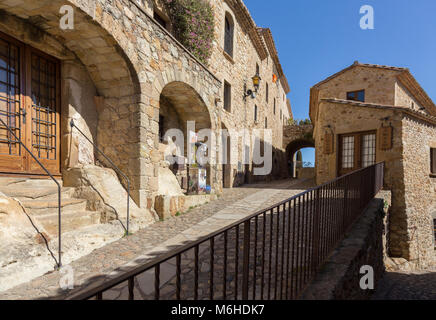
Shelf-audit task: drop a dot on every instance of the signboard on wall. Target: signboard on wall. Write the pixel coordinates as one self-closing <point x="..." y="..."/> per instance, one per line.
<point x="386" y="134"/>
<point x="328" y="143"/>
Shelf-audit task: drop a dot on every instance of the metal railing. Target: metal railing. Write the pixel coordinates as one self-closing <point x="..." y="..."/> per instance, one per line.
<point x="272" y="254"/>
<point x="73" y="125"/>
<point x="59" y="262"/>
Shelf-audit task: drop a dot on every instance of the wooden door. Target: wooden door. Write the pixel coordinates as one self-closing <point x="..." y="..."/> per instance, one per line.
<point x="356" y="151"/>
<point x="12" y="108"/>
<point x="43" y="108"/>
<point x="30" y="106"/>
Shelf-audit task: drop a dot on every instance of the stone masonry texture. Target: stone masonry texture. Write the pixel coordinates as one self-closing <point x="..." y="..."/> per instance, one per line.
<point x="389" y="101"/>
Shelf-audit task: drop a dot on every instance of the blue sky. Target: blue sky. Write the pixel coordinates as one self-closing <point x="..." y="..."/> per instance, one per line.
<point x="316" y="38"/>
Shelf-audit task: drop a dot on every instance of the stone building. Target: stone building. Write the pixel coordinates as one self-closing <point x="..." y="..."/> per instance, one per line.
<point x="366" y="114"/>
<point x="124" y="79"/>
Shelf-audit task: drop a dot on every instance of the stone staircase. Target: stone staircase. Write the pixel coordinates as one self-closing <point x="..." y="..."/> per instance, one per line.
<point x="40" y="199"/>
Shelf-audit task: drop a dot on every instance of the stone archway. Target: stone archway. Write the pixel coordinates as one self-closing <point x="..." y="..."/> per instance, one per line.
<point x="96" y="75"/>
<point x="296" y="137"/>
<point x="293" y="148"/>
<point x="180" y="104"/>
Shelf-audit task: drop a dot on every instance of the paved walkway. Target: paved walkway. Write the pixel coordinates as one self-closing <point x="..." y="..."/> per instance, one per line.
<point x="126" y="253"/>
<point x="407" y="286"/>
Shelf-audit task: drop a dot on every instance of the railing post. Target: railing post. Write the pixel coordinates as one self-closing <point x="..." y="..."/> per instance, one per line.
<point x="344" y="218"/>
<point x="128" y="207"/>
<point x="59" y="227"/>
<point x="316" y="223"/>
<point x="246" y="261"/>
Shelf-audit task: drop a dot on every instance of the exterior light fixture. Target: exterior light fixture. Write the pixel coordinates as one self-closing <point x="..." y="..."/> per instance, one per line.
<point x="256" y="84"/>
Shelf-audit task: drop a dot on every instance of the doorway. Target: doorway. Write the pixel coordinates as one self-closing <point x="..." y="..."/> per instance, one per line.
<point x="30" y="106"/>
<point x="356" y="151"/>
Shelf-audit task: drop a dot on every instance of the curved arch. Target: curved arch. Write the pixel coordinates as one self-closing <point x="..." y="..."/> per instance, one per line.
<point x="180" y="103"/>
<point x="97" y="49"/>
<point x="172" y="78"/>
<point x="187" y="103"/>
<point x="107" y="63"/>
<point x="294" y="147"/>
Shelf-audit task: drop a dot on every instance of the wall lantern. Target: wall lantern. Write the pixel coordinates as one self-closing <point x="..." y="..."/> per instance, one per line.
<point x="256" y="84"/>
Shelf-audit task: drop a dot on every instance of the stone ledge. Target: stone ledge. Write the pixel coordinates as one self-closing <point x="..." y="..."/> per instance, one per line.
<point x="339" y="277"/>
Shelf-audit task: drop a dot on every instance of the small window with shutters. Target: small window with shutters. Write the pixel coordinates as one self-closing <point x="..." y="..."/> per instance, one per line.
<point x="433" y="161"/>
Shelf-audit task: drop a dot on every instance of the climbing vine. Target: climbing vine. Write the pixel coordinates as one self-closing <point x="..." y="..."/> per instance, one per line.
<point x="193" y="25"/>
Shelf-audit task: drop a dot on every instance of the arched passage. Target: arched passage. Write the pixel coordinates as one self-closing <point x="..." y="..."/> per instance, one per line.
<point x="182" y="108"/>
<point x="291" y="152"/>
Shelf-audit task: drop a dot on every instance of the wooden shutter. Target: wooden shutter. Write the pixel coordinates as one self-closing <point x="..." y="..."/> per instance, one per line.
<point x="386" y="138"/>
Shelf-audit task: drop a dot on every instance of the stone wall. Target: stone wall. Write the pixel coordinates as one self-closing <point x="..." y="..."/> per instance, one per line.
<point x="417" y="241"/>
<point x="118" y="63"/>
<point x="346" y="118"/>
<point x="292" y="133"/>
<point x="129" y="59"/>
<point x="407" y="163"/>
<point x="238" y="71"/>
<point x="379" y="85"/>
<point x="339" y="278"/>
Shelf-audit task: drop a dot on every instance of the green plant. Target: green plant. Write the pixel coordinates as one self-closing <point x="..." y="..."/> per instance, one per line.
<point x="193" y="25"/>
<point x="301" y="122"/>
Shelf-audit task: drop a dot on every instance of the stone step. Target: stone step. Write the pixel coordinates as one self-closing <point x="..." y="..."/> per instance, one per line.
<point x="42" y="207"/>
<point x="27" y="182"/>
<point x="40" y="193"/>
<point x="70" y="221"/>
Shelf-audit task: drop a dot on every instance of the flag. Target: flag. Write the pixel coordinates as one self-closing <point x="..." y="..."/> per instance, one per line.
<point x="274" y="78"/>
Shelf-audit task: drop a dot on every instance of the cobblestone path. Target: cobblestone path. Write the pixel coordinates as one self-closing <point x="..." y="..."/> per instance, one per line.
<point x="272" y="266"/>
<point x="407" y="286"/>
<point x="146" y="244"/>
